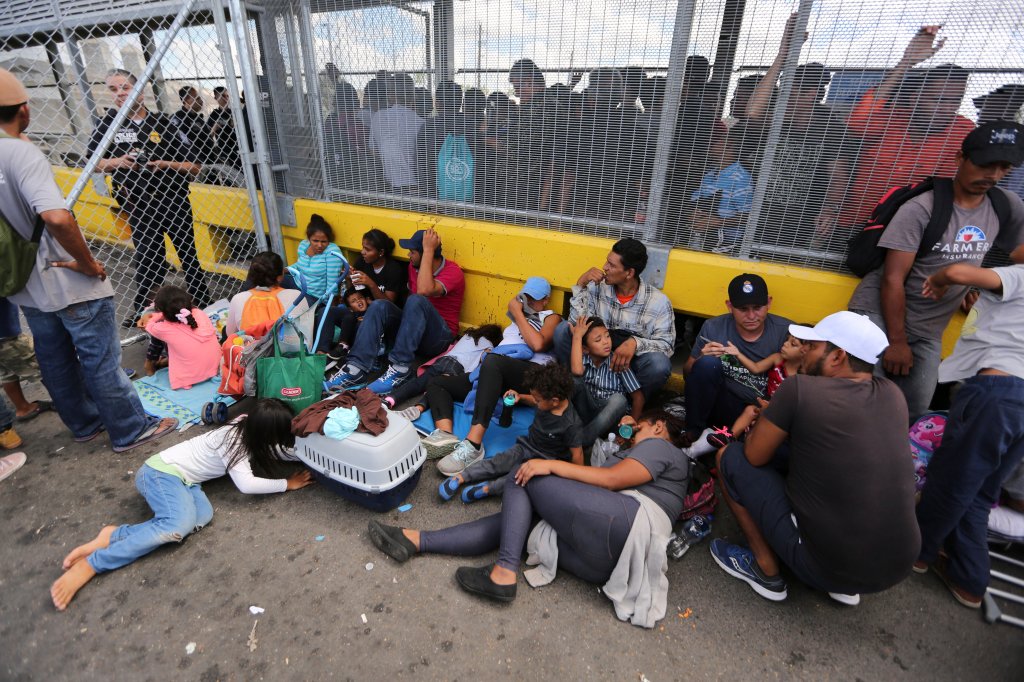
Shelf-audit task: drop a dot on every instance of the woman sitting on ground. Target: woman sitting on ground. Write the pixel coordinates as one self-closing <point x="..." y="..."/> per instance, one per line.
<point x="607" y="525"/>
<point x="376" y="270"/>
<point x="265" y="300"/>
<point x="533" y="331"/>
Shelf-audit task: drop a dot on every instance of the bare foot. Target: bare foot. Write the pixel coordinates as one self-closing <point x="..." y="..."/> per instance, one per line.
<point x="413" y="536"/>
<point x="502" y="576"/>
<point x="67" y="586"/>
<point x="78" y="553"/>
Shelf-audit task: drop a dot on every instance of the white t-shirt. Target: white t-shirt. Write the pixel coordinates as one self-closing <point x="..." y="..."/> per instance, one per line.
<point x="512" y="335"/>
<point x="393" y="135"/>
<point x="993" y="335"/>
<point x="470" y="353"/>
<point x="206" y="457"/>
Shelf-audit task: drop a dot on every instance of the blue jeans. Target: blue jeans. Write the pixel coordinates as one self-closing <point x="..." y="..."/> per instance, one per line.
<point x="651" y="369"/>
<point x="416" y="328"/>
<point x="179" y="509"/>
<point x="79" y="358"/>
<point x="919" y="386"/>
<point x="599" y="416"/>
<point x="982" y="446"/>
<point x="709" y="402"/>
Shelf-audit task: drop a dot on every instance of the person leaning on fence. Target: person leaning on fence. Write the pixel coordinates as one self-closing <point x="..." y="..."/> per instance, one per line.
<point x="640" y="316"/>
<point x="393" y="134"/>
<point x="427" y="324"/>
<point x="68" y="302"/>
<point x="349" y="162"/>
<point x="810" y="173"/>
<point x="150" y="167"/>
<point x="842" y="516"/>
<point x="910" y="126"/>
<point x="891" y="294"/>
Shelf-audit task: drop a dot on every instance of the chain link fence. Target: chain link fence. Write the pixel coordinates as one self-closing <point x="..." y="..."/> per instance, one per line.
<point x="167" y="200"/>
<point x="752" y="128"/>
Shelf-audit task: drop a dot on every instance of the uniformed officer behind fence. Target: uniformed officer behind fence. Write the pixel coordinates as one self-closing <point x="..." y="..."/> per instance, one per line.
<point x="151" y="166"/>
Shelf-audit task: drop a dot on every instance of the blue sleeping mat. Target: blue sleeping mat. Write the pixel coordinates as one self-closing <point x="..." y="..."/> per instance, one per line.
<point x="496" y="439"/>
<point x="185" y="404"/>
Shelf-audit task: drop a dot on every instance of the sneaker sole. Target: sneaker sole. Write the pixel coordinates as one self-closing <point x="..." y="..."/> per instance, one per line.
<point x="761" y="590"/>
<point x="438" y="451"/>
<point x="845" y="599"/>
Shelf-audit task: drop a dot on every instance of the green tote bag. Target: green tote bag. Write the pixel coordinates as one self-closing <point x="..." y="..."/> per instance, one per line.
<point x="295" y="378"/>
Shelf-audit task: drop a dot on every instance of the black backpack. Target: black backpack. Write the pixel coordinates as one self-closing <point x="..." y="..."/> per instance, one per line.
<point x="863" y="254"/>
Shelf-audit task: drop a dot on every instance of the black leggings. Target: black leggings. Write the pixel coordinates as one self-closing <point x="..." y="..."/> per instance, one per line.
<point x="592" y="525"/>
<point x="498" y="374"/>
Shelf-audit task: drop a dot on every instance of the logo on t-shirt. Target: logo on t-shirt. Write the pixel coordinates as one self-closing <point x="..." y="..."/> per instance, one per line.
<point x="970" y="233"/>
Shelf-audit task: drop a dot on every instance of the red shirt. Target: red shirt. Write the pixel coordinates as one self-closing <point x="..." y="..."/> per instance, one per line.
<point x="893" y="156"/>
<point x="448" y="304"/>
<point x="776" y="376"/>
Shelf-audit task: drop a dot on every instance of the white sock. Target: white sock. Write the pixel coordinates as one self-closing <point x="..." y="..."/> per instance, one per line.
<point x="701" y="446"/>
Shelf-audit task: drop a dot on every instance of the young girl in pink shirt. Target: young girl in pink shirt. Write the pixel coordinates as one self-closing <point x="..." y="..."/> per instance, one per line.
<point x="190" y="339"/>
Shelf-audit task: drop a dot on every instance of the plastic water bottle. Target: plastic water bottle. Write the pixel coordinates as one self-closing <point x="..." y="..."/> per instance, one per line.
<point x="505" y="420"/>
<point x="692" y="532"/>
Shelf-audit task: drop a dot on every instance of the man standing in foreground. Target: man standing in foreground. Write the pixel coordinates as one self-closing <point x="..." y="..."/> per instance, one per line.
<point x="984" y="438"/>
<point x="67" y="300"/>
<point x="842" y="518"/>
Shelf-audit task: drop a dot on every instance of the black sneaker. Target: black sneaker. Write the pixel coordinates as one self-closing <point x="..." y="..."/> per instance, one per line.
<point x="338" y="353"/>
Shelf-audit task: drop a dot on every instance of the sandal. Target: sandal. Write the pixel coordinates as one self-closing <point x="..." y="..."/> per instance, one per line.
<point x="162" y="428"/>
<point x="41" y="406"/>
<point x="721" y="437"/>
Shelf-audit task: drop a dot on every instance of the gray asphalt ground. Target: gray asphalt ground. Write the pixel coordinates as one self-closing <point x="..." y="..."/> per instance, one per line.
<point x="137" y="623"/>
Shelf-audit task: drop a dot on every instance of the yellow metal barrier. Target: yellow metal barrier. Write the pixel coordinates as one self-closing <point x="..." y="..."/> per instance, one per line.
<point x="495" y="257"/>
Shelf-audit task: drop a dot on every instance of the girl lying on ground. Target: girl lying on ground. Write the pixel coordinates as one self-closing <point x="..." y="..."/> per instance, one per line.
<point x="170" y="482"/>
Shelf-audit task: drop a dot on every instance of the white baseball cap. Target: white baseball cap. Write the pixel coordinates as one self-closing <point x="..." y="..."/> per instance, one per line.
<point x="856" y="334"/>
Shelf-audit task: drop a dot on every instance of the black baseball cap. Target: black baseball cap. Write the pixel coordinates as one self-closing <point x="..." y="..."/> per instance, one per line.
<point x="1012" y="93"/>
<point x="996" y="142"/>
<point x="747" y="289"/>
<point x="811" y="76"/>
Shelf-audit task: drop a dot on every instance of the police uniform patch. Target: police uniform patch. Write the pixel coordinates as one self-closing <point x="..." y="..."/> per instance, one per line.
<point x="154" y="137"/>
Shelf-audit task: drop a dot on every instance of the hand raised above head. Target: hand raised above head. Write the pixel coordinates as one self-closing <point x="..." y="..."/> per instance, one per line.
<point x="923" y="45"/>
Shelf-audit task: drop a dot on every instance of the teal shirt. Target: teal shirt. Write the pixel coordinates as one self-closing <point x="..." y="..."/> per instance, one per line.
<point x="320" y="271"/>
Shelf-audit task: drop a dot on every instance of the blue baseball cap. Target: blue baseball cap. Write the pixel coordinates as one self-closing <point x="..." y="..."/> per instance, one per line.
<point x="415" y="243"/>
<point x="536" y="288"/>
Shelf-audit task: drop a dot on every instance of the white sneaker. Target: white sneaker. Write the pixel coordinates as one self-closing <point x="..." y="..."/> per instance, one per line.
<point x="845" y="599"/>
<point x="701" y="446"/>
<point x="461" y="457"/>
<point x="439" y="443"/>
<point x="11" y="463"/>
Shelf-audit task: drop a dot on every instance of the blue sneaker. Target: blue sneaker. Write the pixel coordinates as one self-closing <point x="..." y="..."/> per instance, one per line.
<point x="739" y="562"/>
<point x="390" y="380"/>
<point x="448" y="488"/>
<point x="349" y="378"/>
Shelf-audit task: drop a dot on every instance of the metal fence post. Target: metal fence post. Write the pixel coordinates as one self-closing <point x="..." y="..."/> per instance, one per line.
<point x="237" y="117"/>
<point x="669" y="116"/>
<point x="254" y="112"/>
<point x="122" y="114"/>
<point x="775" y="130"/>
<point x="316" y="119"/>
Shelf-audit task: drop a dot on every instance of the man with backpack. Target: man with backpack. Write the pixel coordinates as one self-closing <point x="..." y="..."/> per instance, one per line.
<point x="447" y="147"/>
<point x="65" y="295"/>
<point x="919" y="240"/>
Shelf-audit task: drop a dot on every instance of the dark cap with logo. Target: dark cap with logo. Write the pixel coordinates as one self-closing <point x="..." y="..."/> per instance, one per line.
<point x="996" y="142"/>
<point x="747" y="289"/>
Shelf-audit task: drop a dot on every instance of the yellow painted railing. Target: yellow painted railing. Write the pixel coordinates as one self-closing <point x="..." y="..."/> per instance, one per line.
<point x="495" y="257"/>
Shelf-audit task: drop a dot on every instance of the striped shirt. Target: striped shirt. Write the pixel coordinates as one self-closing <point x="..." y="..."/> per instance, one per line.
<point x="320" y="271"/>
<point x="648" y="316"/>
<point x="604" y="382"/>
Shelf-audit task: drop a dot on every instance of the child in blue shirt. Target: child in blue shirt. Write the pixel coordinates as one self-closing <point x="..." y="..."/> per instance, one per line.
<point x="725" y="196"/>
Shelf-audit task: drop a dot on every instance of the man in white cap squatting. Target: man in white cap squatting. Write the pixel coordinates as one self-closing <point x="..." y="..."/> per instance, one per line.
<point x="823" y="483"/>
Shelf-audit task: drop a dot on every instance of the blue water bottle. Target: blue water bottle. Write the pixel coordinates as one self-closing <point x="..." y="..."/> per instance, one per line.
<point x="505" y="420"/>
